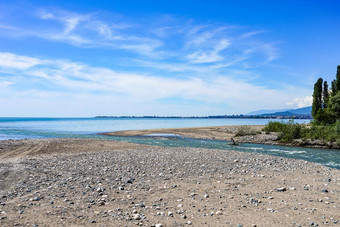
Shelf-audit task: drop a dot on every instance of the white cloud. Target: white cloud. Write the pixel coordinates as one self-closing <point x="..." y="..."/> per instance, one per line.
<point x="45" y="15"/>
<point x="211" y="55"/>
<point x="4" y="84"/>
<point x="157" y="39"/>
<point x="252" y="33"/>
<point x="8" y="27"/>
<point x="301" y="102"/>
<point x="9" y="60"/>
<point x="73" y="79"/>
<point x="178" y="58"/>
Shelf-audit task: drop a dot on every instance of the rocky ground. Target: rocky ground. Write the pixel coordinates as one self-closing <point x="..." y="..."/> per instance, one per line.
<point x="74" y="182"/>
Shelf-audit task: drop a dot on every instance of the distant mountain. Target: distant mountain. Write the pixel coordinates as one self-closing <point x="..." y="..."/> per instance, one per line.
<point x="304" y="110"/>
<point x="260" y="112"/>
<point x="283" y="112"/>
<point x="293" y="112"/>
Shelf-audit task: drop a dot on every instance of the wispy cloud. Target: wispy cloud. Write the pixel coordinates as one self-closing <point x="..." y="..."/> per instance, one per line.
<point x="9" y="60"/>
<point x="78" y="78"/>
<point x="186" y="41"/>
<point x="164" y="58"/>
<point x="211" y="55"/>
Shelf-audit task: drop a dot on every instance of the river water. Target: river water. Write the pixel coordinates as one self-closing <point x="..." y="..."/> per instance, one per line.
<point x="36" y="128"/>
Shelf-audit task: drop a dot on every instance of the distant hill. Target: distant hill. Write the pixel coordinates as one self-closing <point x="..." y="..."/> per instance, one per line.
<point x="293" y="112"/>
<point x="260" y="112"/>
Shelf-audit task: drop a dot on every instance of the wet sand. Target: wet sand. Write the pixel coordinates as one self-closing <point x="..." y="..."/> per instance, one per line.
<point x="214" y="132"/>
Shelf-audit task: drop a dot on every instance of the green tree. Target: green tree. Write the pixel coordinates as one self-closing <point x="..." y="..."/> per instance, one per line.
<point x="324" y="117"/>
<point x="337" y="83"/>
<point x="333" y="87"/>
<point x="317" y="97"/>
<point x="334" y="106"/>
<point x="325" y="95"/>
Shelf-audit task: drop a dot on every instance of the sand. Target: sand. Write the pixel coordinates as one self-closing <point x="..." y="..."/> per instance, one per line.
<point x="214" y="132"/>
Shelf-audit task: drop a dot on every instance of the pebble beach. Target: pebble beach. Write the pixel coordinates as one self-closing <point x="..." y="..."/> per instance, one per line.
<point x="89" y="182"/>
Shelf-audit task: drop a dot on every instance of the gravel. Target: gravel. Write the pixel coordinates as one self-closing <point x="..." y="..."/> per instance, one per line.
<point x="106" y="183"/>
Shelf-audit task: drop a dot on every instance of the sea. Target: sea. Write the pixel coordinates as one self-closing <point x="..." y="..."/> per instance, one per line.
<point x="39" y="128"/>
<point x="36" y="128"/>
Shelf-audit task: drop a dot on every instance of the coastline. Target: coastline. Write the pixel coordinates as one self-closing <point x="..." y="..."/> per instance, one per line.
<point x="253" y="134"/>
<point x="91" y="182"/>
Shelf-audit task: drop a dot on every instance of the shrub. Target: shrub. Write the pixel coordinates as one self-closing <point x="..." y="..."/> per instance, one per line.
<point x="290" y="132"/>
<point x="322" y="132"/>
<point x="274" y="126"/>
<point x="287" y="131"/>
<point x="245" y="130"/>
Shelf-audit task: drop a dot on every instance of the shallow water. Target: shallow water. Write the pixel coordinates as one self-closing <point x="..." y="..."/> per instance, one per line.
<point x="34" y="128"/>
<point x="327" y="157"/>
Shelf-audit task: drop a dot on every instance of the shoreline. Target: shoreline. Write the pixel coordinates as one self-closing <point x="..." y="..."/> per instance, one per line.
<point x="252" y="134"/>
<point x="249" y="134"/>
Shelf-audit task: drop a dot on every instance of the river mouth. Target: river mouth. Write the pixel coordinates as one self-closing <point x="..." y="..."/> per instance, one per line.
<point x="327" y="157"/>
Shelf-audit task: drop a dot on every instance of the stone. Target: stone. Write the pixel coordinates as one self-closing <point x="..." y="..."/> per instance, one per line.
<point x="252" y="200"/>
<point x="137" y="217"/>
<point x="281" y="189"/>
<point x="37" y="198"/>
<point x="219" y="212"/>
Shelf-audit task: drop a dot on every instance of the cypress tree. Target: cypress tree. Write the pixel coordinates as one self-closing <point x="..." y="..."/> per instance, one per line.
<point x="337" y="83"/>
<point x="317" y="97"/>
<point x="325" y="94"/>
<point x="334" y="107"/>
<point x="333" y="87"/>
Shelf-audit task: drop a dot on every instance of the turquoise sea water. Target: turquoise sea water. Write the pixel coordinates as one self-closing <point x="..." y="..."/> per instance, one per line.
<point x="34" y="128"/>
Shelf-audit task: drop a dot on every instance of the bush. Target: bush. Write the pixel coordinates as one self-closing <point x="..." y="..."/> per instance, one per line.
<point x="245" y="130"/>
<point x="287" y="131"/>
<point x="274" y="126"/>
<point x="323" y="132"/>
<point x="290" y="132"/>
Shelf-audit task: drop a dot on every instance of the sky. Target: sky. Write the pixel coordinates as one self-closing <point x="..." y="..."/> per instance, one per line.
<point x="165" y="58"/>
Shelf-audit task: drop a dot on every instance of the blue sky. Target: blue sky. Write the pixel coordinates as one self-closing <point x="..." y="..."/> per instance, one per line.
<point x="88" y="58"/>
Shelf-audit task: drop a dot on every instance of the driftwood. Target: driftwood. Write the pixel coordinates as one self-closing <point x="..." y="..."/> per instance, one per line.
<point x="234" y="142"/>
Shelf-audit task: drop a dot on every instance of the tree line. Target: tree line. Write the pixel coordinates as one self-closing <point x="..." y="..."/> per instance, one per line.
<point x="326" y="101"/>
<point x="325" y="127"/>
